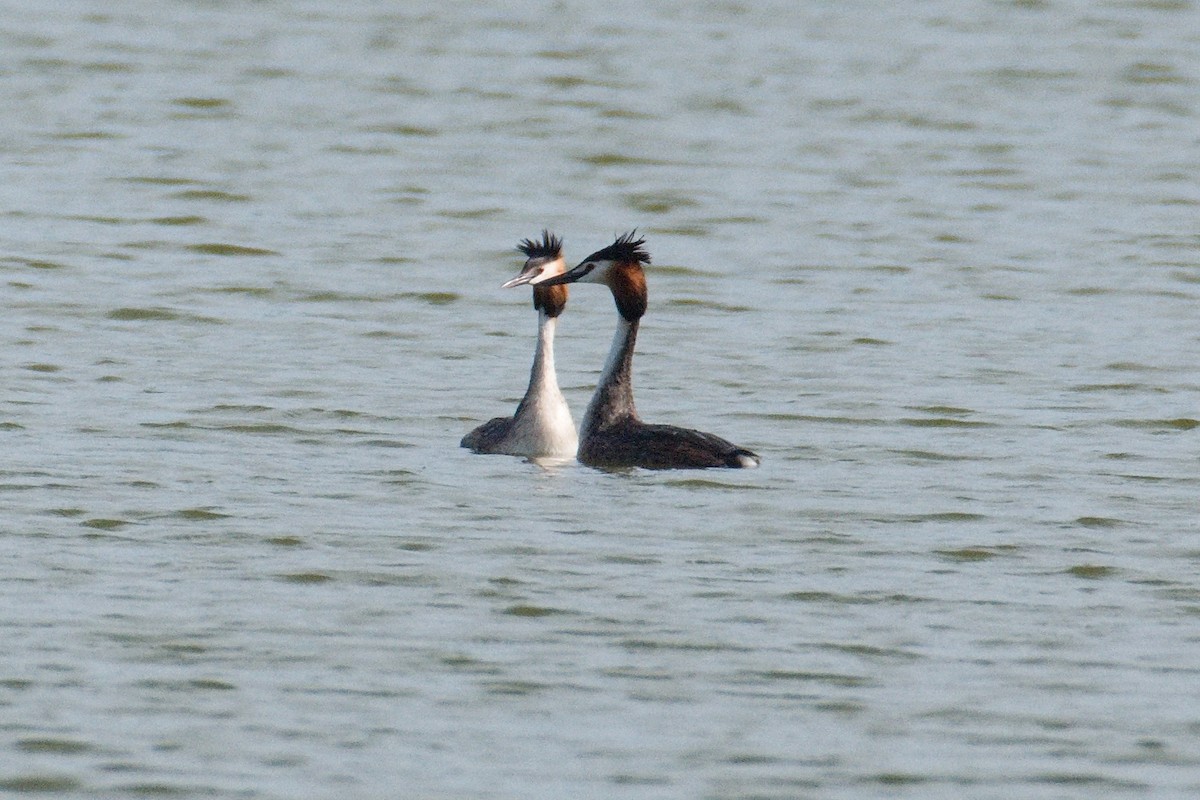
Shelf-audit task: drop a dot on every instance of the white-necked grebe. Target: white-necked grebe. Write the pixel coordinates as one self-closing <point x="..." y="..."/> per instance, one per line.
<point x="542" y="425"/>
<point x="612" y="434"/>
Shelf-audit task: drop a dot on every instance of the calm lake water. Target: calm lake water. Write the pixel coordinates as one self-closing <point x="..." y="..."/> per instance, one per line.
<point x="938" y="263"/>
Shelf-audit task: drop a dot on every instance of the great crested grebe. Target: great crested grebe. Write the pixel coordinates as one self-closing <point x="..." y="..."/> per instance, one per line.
<point x="612" y="435"/>
<point x="542" y="424"/>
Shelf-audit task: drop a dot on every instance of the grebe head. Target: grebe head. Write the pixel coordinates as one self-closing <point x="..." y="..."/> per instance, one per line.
<point x="544" y="260"/>
<point x="619" y="267"/>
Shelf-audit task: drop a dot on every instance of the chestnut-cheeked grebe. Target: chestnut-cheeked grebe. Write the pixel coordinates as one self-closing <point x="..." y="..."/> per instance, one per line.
<point x="542" y="425"/>
<point x="612" y="435"/>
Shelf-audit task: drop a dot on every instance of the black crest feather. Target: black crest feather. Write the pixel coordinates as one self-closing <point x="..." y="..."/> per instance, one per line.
<point x="549" y="247"/>
<point x="627" y="248"/>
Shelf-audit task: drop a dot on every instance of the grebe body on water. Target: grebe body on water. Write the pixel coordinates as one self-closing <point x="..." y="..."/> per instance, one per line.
<point x="612" y="434"/>
<point x="542" y="425"/>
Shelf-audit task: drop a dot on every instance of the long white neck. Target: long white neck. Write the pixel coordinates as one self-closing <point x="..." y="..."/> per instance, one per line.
<point x="542" y="425"/>
<point x="613" y="400"/>
<point x="543" y="378"/>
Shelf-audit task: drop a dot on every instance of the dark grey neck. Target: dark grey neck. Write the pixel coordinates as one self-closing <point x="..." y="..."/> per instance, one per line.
<point x="613" y="400"/>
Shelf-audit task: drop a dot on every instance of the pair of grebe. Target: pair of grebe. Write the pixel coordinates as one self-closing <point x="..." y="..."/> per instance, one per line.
<point x="611" y="434"/>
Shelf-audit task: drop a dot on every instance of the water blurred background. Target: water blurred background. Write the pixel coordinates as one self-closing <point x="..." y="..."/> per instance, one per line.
<point x="938" y="263"/>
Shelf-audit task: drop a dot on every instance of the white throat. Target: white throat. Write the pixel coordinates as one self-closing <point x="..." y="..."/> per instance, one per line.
<point x="614" y="391"/>
<point x="542" y="425"/>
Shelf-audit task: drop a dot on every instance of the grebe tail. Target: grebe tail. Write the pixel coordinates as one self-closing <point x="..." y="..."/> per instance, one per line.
<point x="612" y="434"/>
<point x="542" y="424"/>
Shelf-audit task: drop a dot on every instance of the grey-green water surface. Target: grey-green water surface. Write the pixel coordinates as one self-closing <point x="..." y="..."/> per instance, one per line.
<point x="937" y="262"/>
